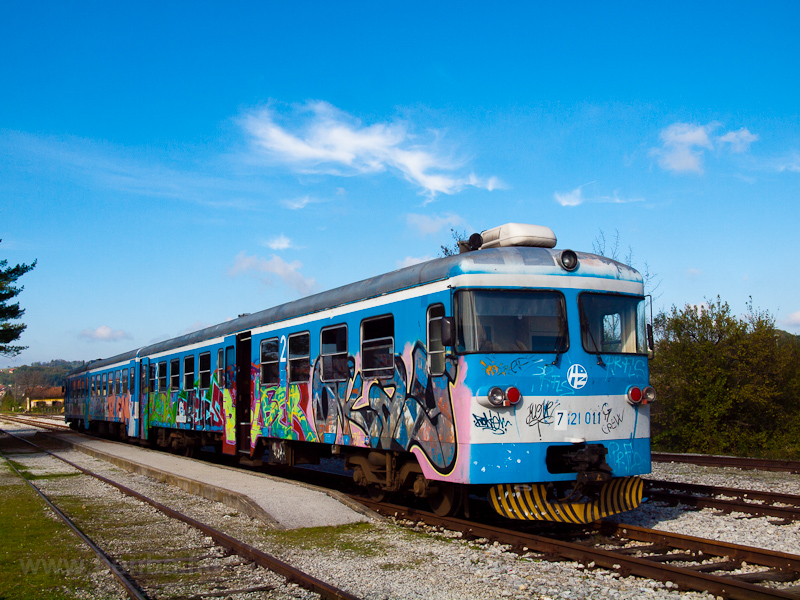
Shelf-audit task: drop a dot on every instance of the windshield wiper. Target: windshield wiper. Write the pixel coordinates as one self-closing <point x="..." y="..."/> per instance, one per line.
<point x="585" y="323"/>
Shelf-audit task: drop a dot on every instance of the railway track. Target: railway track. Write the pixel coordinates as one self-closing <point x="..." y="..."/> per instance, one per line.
<point x="689" y="562"/>
<point x="761" y="464"/>
<point x="728" y="570"/>
<point x="726" y="499"/>
<point x="206" y="565"/>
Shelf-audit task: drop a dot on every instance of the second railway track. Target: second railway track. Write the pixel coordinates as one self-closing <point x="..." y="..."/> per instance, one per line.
<point x="158" y="556"/>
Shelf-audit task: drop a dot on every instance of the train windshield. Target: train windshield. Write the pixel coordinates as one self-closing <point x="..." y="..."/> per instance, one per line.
<point x="510" y="321"/>
<point x="613" y="324"/>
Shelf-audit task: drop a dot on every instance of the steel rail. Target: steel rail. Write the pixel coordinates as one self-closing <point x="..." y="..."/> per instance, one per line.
<point x="684" y="577"/>
<point x="309" y="582"/>
<point x="684" y="493"/>
<point x="762" y="464"/>
<point x="131" y="589"/>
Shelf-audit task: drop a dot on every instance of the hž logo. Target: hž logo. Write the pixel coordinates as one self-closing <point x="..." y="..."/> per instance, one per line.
<point x="577" y="376"/>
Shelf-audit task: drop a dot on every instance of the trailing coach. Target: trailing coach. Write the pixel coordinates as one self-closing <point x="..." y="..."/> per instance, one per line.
<point x="511" y="370"/>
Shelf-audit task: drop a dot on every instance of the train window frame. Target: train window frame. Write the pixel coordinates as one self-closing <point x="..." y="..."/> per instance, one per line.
<point x="332" y="368"/>
<point x="188" y="373"/>
<point x="220" y="367"/>
<point x="436" y="357"/>
<point x="118" y="382"/>
<point x="640" y="336"/>
<point x="162" y="376"/>
<point x="368" y="344"/>
<point x="270" y="367"/>
<point x="175" y="374"/>
<point x="459" y="346"/>
<point x="298" y="366"/>
<point x="92" y="386"/>
<point x="151" y="381"/>
<point x="204" y="375"/>
<point x="124" y="381"/>
<point x="104" y="387"/>
<point x="132" y="380"/>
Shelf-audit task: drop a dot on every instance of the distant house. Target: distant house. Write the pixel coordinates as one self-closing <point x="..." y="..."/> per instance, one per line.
<point x="42" y="396"/>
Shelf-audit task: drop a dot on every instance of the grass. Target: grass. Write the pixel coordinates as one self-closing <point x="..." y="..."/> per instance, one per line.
<point x="39" y="557"/>
<point x="354" y="538"/>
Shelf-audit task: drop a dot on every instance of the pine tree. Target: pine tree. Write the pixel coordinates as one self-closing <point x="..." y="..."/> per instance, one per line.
<point x="10" y="332"/>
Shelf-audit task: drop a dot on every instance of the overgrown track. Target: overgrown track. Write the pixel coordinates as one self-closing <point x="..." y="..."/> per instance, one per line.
<point x="230" y="544"/>
<point x="710" y="460"/>
<point x="659" y="555"/>
<point x="725" y="499"/>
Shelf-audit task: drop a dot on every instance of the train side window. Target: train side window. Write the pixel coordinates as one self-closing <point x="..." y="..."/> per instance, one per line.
<point x="162" y="376"/>
<point x="152" y="381"/>
<point x="220" y="366"/>
<point x="204" y="370"/>
<point x="124" y="381"/>
<point x="132" y="380"/>
<point x="188" y="373"/>
<point x="175" y="374"/>
<point x="377" y="346"/>
<point x="104" y="387"/>
<point x="435" y="345"/>
<point x="299" y="357"/>
<point x="270" y="367"/>
<point x="91" y="385"/>
<point x="118" y="382"/>
<point x="333" y="351"/>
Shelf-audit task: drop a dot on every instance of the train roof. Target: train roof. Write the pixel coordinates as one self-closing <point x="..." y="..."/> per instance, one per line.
<point x="509" y="260"/>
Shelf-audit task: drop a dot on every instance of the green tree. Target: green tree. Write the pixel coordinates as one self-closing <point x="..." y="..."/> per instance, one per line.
<point x="726" y="385"/>
<point x="10" y="332"/>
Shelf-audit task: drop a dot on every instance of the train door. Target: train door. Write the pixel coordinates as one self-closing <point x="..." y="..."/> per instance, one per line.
<point x="143" y="383"/>
<point x="228" y="395"/>
<point x="243" y="392"/>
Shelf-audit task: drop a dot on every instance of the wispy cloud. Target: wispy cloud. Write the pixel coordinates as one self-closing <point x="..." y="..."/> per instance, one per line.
<point x="300" y="202"/>
<point x="280" y="242"/>
<point x="196" y="326"/>
<point x="104" y="333"/>
<point x="790" y="162"/>
<point x="428" y="224"/>
<point x="323" y="139"/>
<point x="412" y="260"/>
<point x="739" y="140"/>
<point x="684" y="145"/>
<point x="576" y="197"/>
<point x="287" y="272"/>
<point x="792" y="321"/>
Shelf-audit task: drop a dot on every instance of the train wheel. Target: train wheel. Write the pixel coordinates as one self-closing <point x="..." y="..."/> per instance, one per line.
<point x="376" y="492"/>
<point x="446" y="501"/>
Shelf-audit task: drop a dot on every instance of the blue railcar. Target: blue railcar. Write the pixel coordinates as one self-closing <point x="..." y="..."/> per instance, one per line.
<point x="511" y="369"/>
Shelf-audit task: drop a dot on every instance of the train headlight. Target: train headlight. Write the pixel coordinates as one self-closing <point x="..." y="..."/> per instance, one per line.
<point x="634" y="395"/>
<point x="513" y="395"/>
<point x="496" y="396"/>
<point x="568" y="260"/>
<point x="649" y="395"/>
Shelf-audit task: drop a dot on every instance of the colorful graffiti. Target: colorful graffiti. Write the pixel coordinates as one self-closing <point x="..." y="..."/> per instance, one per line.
<point x="282" y="415"/>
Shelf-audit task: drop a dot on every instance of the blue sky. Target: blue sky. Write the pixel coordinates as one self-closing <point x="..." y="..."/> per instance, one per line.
<point x="172" y="166"/>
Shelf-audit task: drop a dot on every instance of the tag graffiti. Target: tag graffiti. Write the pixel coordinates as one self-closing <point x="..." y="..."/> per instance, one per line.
<point x="495" y="423"/>
<point x="541" y="413"/>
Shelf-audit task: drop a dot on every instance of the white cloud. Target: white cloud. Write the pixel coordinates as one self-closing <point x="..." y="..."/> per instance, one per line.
<point x="104" y="333"/>
<point x="693" y="273"/>
<point x="576" y="197"/>
<point x="739" y="140"/>
<point x="280" y="242"/>
<point x="428" y="225"/>
<point x="288" y="273"/>
<point x="333" y="142"/>
<point x="412" y="260"/>
<point x="682" y="147"/>
<point x="789" y="163"/>
<point x="299" y="203"/>
<point x="793" y="320"/>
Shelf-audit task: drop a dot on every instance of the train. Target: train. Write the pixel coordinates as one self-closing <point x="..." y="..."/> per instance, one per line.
<point x="510" y="370"/>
